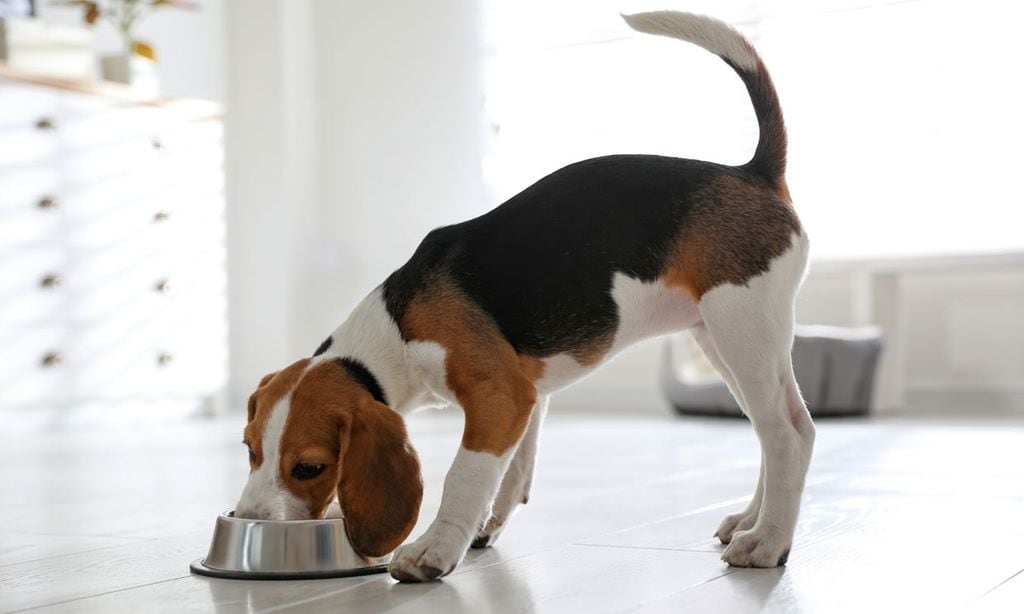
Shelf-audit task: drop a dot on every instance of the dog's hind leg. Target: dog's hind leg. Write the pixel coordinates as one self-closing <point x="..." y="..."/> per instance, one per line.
<point x="740" y="521"/>
<point x="752" y="330"/>
<point x="515" y="486"/>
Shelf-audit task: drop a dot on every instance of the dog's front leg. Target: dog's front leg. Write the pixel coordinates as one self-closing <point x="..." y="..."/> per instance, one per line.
<point x="496" y="417"/>
<point x="469" y="489"/>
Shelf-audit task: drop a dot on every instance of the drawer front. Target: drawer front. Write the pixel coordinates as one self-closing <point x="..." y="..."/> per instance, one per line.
<point x="79" y="119"/>
<point x="37" y="207"/>
<point x="28" y="122"/>
<point x="192" y="368"/>
<point x="34" y="121"/>
<point x="23" y="187"/>
<point x="135" y="347"/>
<point x="31" y="367"/>
<point x="89" y="132"/>
<point x="30" y="209"/>
<point x="163" y="208"/>
<point x="136" y="293"/>
<point x="130" y="282"/>
<point x="123" y="361"/>
<point x="112" y="259"/>
<point x="23" y="146"/>
<point x="22" y="105"/>
<point x="107" y="126"/>
<point x="68" y="369"/>
<point x="63" y="365"/>
<point x="90" y="166"/>
<point x="168" y="152"/>
<point x="32" y="284"/>
<point x="42" y="285"/>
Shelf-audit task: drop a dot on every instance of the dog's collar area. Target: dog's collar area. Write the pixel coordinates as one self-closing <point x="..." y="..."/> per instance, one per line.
<point x="323" y="347"/>
<point x="358" y="371"/>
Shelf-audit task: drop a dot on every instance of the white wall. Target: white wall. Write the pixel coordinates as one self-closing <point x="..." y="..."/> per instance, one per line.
<point x="399" y="89"/>
<point x="261" y="211"/>
<point x="353" y="128"/>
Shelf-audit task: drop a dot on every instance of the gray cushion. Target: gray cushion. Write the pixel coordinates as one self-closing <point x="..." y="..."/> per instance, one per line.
<point x="835" y="368"/>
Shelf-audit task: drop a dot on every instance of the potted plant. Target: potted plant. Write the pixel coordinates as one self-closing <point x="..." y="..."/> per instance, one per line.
<point x="136" y="63"/>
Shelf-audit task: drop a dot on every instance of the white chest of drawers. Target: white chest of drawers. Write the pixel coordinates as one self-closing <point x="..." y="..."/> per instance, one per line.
<point x="113" y="295"/>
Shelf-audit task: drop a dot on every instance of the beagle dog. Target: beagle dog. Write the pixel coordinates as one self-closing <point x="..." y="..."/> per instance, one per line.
<point x="497" y="313"/>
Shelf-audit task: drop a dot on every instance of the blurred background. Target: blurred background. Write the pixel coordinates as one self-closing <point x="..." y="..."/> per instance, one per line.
<point x="193" y="194"/>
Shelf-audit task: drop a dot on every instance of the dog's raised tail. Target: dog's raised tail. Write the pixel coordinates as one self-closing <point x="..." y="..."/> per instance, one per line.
<point x="769" y="159"/>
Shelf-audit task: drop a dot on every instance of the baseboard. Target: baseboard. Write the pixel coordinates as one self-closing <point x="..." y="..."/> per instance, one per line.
<point x="961" y="400"/>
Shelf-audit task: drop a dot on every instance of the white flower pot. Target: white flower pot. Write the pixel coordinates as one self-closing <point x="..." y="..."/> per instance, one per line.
<point x="134" y="70"/>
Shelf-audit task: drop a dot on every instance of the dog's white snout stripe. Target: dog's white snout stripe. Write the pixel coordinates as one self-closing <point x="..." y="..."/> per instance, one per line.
<point x="265" y="496"/>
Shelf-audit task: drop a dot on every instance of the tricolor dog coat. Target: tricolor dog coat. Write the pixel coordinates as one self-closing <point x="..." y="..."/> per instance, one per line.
<point x="497" y="313"/>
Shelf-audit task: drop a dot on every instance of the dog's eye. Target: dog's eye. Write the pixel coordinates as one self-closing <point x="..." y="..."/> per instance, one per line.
<point x="307" y="471"/>
<point x="252" y="455"/>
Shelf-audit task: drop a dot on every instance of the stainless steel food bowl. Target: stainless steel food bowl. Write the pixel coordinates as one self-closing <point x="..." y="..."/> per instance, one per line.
<point x="282" y="550"/>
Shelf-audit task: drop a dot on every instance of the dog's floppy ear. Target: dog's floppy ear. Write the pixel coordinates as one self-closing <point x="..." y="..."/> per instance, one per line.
<point x="379" y="483"/>
<point x="252" y="397"/>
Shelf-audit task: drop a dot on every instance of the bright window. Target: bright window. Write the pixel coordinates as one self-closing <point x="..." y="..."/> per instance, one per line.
<point x="906" y="118"/>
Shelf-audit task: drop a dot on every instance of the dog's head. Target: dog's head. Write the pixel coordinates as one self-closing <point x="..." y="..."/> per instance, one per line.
<point x="315" y="431"/>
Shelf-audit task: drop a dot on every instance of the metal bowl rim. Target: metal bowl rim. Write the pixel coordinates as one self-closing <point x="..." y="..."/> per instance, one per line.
<point x="229" y="516"/>
<point x="199" y="567"/>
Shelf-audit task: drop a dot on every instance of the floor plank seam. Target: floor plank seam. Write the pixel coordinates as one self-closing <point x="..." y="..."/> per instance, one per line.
<point x="983" y="595"/>
<point x="728" y="572"/>
<point x="75" y="553"/>
<point x="79" y="535"/>
<point x="517" y="558"/>
<point x="84" y="597"/>
<point x="503" y="561"/>
<point x="700" y="510"/>
<point x="796" y="546"/>
<point x="309" y="600"/>
<point x="648" y="548"/>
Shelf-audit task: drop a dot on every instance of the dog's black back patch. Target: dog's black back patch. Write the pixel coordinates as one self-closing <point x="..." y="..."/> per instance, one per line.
<point x="542" y="263"/>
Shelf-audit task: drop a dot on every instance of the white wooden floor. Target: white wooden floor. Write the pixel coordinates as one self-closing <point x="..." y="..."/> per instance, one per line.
<point x="899" y="516"/>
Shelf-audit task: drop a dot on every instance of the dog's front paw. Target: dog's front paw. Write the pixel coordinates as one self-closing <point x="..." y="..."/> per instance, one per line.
<point x="757" y="548"/>
<point x="428" y="558"/>
<point x="734" y="523"/>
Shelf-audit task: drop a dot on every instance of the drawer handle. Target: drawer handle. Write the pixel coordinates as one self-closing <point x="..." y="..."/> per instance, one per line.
<point x="161" y="216"/>
<point x="49" y="203"/>
<point x="163" y="286"/>
<point x="52" y="359"/>
<point x="51" y="280"/>
<point x="46" y="123"/>
<point x="164" y="358"/>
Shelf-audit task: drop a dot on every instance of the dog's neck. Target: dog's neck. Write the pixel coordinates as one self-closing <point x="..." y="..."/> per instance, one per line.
<point x="370" y="336"/>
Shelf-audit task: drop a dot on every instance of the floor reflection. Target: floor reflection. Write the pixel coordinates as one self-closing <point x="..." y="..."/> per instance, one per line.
<point x="481" y="593"/>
